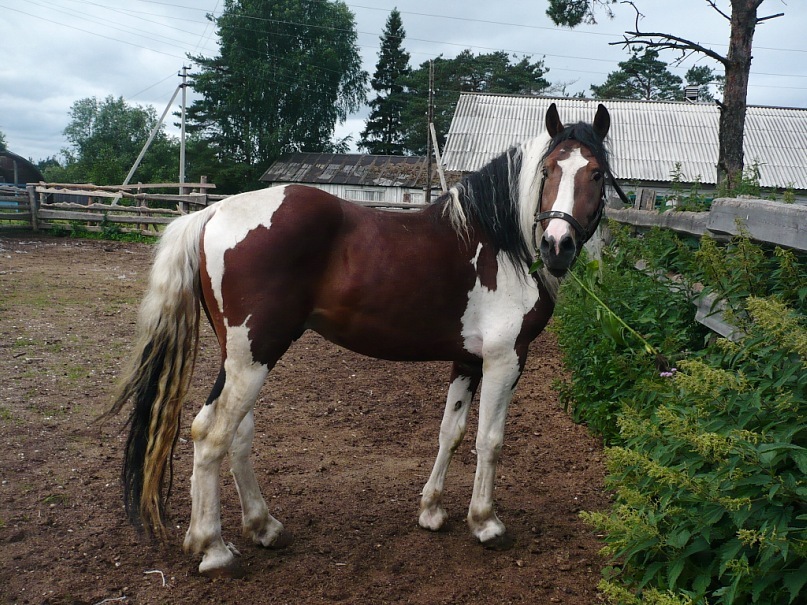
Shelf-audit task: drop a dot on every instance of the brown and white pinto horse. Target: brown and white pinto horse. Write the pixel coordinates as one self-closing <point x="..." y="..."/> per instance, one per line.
<point x="451" y="282"/>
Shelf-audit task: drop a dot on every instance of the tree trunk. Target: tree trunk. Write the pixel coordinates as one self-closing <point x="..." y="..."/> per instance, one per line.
<point x="732" y="115"/>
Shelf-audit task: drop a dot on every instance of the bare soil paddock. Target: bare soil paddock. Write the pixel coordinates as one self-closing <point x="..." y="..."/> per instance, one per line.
<point x="343" y="446"/>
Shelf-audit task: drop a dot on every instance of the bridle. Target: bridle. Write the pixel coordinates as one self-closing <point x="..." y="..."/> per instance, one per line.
<point x="583" y="233"/>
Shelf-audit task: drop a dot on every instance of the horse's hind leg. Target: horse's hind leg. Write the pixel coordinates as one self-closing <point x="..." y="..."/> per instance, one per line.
<point x="464" y="381"/>
<point x="257" y="523"/>
<point x="213" y="432"/>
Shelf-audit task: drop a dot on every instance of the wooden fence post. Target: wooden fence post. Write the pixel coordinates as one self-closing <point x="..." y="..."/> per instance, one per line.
<point x="33" y="205"/>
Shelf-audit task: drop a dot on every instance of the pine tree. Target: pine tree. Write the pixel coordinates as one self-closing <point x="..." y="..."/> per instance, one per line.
<point x="641" y="77"/>
<point x="383" y="133"/>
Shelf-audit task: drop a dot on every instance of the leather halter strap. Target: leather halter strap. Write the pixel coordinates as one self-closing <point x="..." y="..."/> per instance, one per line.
<point x="583" y="233"/>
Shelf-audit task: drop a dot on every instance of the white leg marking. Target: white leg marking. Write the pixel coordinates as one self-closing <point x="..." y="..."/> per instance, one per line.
<point x="570" y="166"/>
<point x="213" y="431"/>
<point x="490" y="326"/>
<point x="452" y="430"/>
<point x="258" y="525"/>
<point x="500" y="374"/>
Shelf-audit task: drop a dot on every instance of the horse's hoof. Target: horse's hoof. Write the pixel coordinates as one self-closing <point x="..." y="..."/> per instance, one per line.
<point x="283" y="540"/>
<point x="503" y="542"/>
<point x="233" y="571"/>
<point x="433" y="519"/>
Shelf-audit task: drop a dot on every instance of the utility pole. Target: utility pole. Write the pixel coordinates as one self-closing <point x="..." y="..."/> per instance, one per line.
<point x="150" y="139"/>
<point x="430" y="119"/>
<point x="184" y="85"/>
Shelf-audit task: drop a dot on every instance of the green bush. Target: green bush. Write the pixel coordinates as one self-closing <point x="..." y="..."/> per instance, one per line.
<point x="608" y="363"/>
<point x="708" y="442"/>
<point x="711" y="492"/>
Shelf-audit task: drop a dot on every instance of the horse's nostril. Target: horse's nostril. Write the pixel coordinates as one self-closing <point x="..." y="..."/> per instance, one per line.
<point x="547" y="244"/>
<point x="567" y="245"/>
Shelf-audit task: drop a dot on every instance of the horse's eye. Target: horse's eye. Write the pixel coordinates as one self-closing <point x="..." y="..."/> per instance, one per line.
<point x="597" y="175"/>
<point x="545" y="173"/>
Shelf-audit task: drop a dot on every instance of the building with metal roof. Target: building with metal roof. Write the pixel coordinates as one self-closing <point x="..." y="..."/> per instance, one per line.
<point x="647" y="138"/>
<point x="16" y="170"/>
<point x="375" y="179"/>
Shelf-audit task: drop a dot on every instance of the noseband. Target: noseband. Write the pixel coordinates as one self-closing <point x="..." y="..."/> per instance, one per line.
<point x="583" y="233"/>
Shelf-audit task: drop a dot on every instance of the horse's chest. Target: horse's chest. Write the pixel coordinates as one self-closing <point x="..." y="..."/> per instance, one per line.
<point x="498" y="305"/>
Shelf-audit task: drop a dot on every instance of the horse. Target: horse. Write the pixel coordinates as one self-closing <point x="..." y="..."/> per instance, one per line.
<point x="451" y="281"/>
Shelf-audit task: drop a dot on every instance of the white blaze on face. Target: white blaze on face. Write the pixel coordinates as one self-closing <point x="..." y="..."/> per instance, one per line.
<point x="564" y="202"/>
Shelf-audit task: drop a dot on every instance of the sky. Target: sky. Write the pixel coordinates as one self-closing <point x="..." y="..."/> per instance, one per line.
<point x="56" y="52"/>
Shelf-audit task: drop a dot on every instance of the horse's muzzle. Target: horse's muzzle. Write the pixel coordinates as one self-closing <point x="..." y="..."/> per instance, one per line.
<point x="558" y="257"/>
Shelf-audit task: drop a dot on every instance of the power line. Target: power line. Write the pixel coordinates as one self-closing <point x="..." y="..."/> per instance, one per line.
<point x="182" y="45"/>
<point x="92" y="33"/>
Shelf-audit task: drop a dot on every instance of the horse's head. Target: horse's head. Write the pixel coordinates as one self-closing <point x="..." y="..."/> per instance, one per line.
<point x="573" y="188"/>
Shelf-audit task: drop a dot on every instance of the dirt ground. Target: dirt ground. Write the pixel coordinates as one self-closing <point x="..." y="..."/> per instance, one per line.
<point x="343" y="447"/>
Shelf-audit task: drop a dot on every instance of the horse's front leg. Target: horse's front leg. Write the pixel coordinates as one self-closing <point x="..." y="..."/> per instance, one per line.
<point x="464" y="381"/>
<point x="500" y="376"/>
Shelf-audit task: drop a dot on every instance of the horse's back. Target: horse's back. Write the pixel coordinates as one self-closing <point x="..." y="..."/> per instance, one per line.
<point x="387" y="284"/>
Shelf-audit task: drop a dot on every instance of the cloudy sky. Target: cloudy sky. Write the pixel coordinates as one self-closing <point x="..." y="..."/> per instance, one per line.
<point x="55" y="52"/>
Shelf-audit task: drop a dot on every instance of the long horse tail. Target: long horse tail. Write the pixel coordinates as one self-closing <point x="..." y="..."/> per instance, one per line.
<point x="160" y="370"/>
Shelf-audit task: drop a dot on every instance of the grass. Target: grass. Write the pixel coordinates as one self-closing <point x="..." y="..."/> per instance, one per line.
<point x="55" y="499"/>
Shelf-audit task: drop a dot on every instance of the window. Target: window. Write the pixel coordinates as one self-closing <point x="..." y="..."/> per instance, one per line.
<point x="365" y="195"/>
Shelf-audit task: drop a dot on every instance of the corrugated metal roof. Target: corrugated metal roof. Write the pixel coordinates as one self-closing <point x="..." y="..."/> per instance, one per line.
<point x="349" y="169"/>
<point x="647" y="138"/>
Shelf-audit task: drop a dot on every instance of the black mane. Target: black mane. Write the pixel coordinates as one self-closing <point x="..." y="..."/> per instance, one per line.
<point x="489" y="199"/>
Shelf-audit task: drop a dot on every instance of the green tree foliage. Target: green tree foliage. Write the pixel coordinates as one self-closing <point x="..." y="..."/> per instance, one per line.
<point x="287" y="71"/>
<point x="742" y="18"/>
<point x="106" y="136"/>
<point x="572" y="13"/>
<point x="702" y="76"/>
<point x="491" y="73"/>
<point x="3" y="144"/>
<point x="643" y="76"/>
<point x="383" y="133"/>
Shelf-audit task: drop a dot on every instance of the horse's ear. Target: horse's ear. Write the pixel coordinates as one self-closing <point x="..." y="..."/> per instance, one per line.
<point x="553" y="124"/>
<point x="602" y="121"/>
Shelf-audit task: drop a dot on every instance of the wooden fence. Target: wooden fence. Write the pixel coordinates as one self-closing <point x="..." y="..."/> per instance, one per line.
<point x="14" y="205"/>
<point x="765" y="221"/>
<point x="130" y="208"/>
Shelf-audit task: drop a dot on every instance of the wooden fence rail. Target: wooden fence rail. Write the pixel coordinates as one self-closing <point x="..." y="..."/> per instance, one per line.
<point x="131" y="208"/>
<point x="765" y="221"/>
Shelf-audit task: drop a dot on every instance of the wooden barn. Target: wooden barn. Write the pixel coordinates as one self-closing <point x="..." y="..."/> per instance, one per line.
<point x="16" y="170"/>
<point x="370" y="179"/>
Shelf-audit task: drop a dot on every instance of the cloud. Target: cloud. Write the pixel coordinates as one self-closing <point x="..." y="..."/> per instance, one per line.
<point x="56" y="52"/>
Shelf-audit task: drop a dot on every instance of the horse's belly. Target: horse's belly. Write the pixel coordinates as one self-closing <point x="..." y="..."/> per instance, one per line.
<point x="395" y="340"/>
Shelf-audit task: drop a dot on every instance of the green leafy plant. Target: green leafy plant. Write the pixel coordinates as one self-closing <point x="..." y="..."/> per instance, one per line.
<point x="749" y="183"/>
<point x="707" y="442"/>
<point x="711" y="482"/>
<point x="681" y="198"/>
<point x="614" y="359"/>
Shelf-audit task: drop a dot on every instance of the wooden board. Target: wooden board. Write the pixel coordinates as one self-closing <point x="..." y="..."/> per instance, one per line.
<point x="766" y="221"/>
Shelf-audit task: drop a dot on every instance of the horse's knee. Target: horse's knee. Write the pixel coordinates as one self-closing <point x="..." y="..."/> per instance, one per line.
<point x="489" y="448"/>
